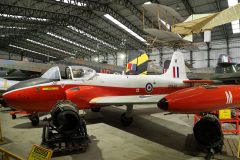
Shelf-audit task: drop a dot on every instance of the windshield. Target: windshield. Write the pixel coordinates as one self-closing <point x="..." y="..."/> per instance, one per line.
<point x="79" y="72"/>
<point x="52" y="73"/>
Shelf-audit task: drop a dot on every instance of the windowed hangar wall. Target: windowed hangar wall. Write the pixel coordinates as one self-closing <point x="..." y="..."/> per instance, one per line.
<point x="201" y="58"/>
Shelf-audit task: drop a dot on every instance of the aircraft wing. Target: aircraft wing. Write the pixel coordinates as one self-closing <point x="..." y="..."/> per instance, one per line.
<point x="228" y="78"/>
<point x="192" y="26"/>
<point x="200" y="81"/>
<point x="24" y="65"/>
<point x="166" y="13"/>
<point x="164" y="36"/>
<point x="123" y="100"/>
<point x="208" y="22"/>
<point x="228" y="15"/>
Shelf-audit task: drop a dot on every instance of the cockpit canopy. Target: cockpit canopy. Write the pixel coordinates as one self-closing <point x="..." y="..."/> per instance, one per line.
<point x="71" y="72"/>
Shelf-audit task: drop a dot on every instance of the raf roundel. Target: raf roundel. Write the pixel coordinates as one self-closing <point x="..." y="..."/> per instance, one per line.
<point x="149" y="87"/>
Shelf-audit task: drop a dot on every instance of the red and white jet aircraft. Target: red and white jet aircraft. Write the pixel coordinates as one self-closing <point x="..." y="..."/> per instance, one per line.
<point x="90" y="90"/>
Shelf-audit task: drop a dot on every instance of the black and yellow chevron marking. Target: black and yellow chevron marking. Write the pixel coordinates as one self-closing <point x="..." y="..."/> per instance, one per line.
<point x="142" y="64"/>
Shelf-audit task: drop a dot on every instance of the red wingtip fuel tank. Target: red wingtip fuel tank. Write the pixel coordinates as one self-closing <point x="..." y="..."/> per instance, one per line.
<point x="201" y="99"/>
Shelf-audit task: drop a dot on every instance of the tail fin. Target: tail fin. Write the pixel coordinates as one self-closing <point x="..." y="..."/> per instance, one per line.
<point x="137" y="63"/>
<point x="177" y="67"/>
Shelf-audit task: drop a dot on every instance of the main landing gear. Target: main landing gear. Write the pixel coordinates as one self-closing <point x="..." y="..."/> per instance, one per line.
<point x="96" y="109"/>
<point x="126" y="118"/>
<point x="34" y="118"/>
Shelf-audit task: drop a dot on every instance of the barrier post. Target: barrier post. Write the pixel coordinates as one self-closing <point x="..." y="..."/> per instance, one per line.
<point x="6" y="155"/>
<point x="1" y="137"/>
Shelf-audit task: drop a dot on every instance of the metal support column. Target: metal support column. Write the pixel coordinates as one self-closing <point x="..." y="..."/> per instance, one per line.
<point x="21" y="55"/>
<point x="228" y="53"/>
<point x="160" y="57"/>
<point x="191" y="58"/>
<point x="208" y="53"/>
<point x="9" y="55"/>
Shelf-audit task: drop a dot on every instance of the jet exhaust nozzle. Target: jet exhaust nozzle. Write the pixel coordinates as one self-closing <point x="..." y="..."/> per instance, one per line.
<point x="65" y="118"/>
<point x="208" y="132"/>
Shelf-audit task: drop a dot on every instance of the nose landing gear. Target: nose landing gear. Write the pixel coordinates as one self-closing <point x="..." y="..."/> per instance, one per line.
<point x="126" y="118"/>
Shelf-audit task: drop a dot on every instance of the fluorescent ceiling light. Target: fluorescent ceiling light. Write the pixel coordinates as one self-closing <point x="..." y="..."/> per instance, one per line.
<point x="49" y="47"/>
<point x="73" y="2"/>
<point x="31" y="51"/>
<point x="96" y="59"/>
<point x="29" y="18"/>
<point x="124" y="27"/>
<point x="122" y="56"/>
<point x="148" y="2"/>
<point x="69" y="41"/>
<point x="12" y="27"/>
<point x="91" y="37"/>
<point x="235" y="24"/>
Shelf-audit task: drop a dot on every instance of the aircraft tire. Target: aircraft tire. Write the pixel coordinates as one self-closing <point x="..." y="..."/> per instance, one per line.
<point x="34" y="120"/>
<point x="95" y="109"/>
<point x="126" y="121"/>
<point x="14" y="116"/>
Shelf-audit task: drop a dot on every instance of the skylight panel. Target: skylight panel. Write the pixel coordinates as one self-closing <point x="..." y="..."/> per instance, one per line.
<point x="91" y="37"/>
<point x="12" y="27"/>
<point x="235" y="24"/>
<point x="73" y="2"/>
<point x="109" y="17"/>
<point x="232" y="2"/>
<point x="17" y="17"/>
<point x="30" y="51"/>
<point x="69" y="41"/>
<point x="50" y="47"/>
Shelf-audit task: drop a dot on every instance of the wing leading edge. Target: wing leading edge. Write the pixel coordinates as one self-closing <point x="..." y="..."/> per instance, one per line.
<point x="134" y="99"/>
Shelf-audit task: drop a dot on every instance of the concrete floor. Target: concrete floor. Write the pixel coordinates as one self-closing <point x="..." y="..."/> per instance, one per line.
<point x="152" y="136"/>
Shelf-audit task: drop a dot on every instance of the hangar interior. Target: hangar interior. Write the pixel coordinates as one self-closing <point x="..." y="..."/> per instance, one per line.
<point x="69" y="28"/>
<point x="106" y="31"/>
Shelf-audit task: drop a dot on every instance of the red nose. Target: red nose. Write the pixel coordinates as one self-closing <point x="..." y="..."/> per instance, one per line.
<point x="12" y="99"/>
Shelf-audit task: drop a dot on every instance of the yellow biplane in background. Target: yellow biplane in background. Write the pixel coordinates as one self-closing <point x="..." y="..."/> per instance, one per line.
<point x="177" y="32"/>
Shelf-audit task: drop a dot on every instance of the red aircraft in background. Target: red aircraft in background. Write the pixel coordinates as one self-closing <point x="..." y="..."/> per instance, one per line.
<point x="201" y="99"/>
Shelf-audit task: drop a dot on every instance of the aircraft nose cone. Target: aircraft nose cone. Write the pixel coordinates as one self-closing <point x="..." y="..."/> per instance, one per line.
<point x="163" y="104"/>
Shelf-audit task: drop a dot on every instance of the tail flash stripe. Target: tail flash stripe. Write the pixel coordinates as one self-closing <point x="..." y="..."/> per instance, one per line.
<point x="174" y="73"/>
<point x="177" y="72"/>
<point x="230" y="97"/>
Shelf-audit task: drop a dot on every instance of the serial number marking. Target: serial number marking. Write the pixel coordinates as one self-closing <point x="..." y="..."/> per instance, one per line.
<point x="172" y="86"/>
